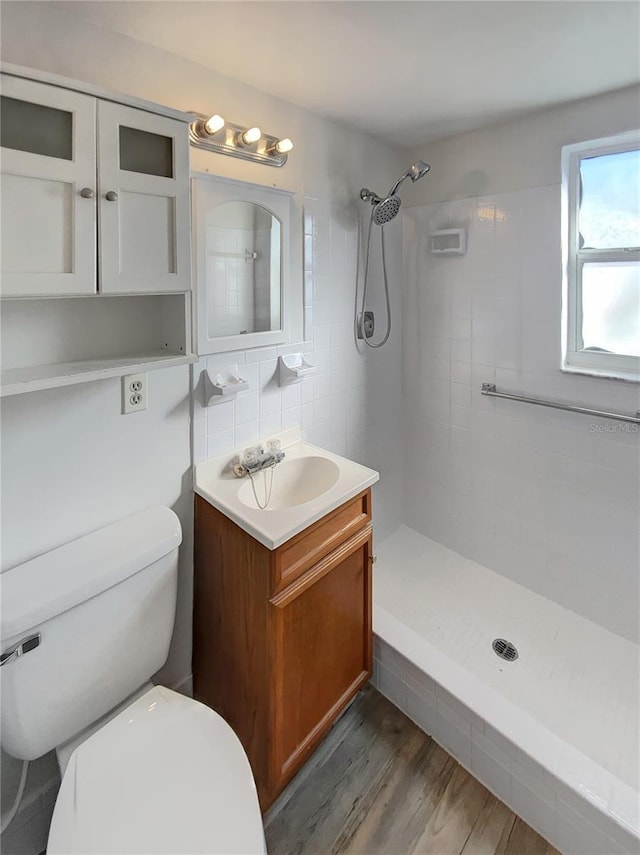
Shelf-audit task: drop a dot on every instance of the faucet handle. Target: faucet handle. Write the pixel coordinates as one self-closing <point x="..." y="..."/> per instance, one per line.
<point x="273" y="445"/>
<point x="251" y="454"/>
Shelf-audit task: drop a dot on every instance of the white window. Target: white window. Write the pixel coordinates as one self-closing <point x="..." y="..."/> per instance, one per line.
<point x="601" y="256"/>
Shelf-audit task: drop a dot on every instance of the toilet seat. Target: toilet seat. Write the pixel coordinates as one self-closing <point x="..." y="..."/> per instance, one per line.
<point x="167" y="775"/>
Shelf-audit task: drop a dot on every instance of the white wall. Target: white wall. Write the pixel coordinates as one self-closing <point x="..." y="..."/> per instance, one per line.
<point x="70" y="464"/>
<point x="70" y="461"/>
<point x="522" y="153"/>
<point x="549" y="499"/>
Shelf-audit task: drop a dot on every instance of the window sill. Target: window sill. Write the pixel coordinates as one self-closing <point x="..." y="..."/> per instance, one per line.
<point x="603" y="374"/>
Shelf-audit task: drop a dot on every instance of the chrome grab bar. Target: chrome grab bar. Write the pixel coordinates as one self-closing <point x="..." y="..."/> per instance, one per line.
<point x="490" y="390"/>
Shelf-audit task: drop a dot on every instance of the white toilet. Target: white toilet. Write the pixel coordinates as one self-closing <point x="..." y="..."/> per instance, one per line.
<point x="84" y="628"/>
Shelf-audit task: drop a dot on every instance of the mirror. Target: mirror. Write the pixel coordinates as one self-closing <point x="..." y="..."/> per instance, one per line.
<point x="246" y="295"/>
<point x="244" y="263"/>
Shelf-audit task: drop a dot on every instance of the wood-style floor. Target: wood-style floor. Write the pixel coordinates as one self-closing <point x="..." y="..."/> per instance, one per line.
<point x="378" y="785"/>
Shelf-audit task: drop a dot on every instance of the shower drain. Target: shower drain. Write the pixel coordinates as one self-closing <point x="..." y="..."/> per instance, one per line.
<point x="504" y="649"/>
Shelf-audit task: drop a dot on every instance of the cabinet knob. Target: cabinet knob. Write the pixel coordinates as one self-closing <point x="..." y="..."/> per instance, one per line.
<point x="111" y="196"/>
<point x="87" y="193"/>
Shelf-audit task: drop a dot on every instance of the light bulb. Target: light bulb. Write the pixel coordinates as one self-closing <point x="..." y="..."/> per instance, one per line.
<point x="214" y="124"/>
<point x="283" y="146"/>
<point x="250" y="136"/>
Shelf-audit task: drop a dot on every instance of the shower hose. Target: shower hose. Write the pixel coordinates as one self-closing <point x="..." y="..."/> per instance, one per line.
<point x="386" y="287"/>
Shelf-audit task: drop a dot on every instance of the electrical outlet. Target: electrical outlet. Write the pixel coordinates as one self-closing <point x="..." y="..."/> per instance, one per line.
<point x="134" y="393"/>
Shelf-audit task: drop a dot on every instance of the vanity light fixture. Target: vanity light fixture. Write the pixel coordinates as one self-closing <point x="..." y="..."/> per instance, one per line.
<point x="212" y="133"/>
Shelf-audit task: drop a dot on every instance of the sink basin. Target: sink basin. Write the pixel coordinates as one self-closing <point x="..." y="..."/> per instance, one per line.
<point x="308" y="484"/>
<point x="295" y="482"/>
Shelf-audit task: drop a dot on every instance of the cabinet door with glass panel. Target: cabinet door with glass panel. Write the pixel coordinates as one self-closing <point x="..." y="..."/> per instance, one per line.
<point x="143" y="207"/>
<point x="48" y="186"/>
<point x="95" y="195"/>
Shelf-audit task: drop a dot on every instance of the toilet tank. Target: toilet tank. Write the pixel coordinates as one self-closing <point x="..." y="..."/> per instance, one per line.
<point x="95" y="617"/>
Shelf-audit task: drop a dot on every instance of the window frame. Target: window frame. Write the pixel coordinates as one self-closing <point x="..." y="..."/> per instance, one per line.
<point x="574" y="359"/>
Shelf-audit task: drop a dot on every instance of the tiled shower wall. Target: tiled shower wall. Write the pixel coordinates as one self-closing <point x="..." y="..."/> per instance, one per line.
<point x="352" y="405"/>
<point x="548" y="498"/>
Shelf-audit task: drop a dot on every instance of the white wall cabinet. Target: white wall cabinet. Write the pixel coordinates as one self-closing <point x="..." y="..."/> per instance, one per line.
<point x="95" y="204"/>
<point x="48" y="227"/>
<point x="95" y="195"/>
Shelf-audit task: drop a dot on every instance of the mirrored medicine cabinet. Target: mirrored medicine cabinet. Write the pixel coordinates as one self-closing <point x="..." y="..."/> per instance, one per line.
<point x="248" y="265"/>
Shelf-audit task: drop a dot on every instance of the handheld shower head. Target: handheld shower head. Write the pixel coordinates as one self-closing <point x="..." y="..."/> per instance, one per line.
<point x="415" y="172"/>
<point x="418" y="170"/>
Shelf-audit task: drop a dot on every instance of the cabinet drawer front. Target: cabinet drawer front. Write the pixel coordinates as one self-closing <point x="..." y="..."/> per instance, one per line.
<point x="311" y="545"/>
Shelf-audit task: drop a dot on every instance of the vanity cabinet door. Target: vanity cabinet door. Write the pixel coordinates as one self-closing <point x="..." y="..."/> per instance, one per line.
<point x="143" y="174"/>
<point x="48" y="187"/>
<point x="322" y="637"/>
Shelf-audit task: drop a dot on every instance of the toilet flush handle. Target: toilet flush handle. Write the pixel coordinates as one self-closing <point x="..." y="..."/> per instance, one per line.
<point x="24" y="646"/>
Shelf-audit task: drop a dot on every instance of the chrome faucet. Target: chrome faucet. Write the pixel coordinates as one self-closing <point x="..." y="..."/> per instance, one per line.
<point x="255" y="459"/>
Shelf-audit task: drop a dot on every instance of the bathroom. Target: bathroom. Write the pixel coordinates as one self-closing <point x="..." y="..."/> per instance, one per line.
<point x="521" y="515"/>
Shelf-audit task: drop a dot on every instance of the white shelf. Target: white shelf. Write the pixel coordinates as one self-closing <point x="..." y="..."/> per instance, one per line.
<point x="17" y="381"/>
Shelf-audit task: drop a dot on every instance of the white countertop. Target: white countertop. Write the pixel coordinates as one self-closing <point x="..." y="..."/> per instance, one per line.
<point x="215" y="481"/>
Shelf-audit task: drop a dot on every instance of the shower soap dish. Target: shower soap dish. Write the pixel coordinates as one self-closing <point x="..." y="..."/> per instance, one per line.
<point x="218" y="389"/>
<point x="292" y="368"/>
<point x="448" y="242"/>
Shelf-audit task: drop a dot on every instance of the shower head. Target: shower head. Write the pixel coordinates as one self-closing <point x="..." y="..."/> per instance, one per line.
<point x="418" y="170"/>
<point x="415" y="172"/>
<point x="383" y="209"/>
<point x="386" y="209"/>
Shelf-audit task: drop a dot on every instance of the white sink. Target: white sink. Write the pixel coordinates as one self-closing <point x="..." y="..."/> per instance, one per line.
<point x="309" y="483"/>
<point x="290" y="483"/>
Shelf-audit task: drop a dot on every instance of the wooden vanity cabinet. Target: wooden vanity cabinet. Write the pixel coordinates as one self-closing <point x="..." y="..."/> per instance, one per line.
<point x="282" y="638"/>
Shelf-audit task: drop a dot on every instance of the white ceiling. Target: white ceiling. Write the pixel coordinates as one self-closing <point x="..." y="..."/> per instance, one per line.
<point x="407" y="72"/>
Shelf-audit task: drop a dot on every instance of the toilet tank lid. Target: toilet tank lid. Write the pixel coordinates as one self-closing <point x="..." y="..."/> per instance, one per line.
<point x="48" y="585"/>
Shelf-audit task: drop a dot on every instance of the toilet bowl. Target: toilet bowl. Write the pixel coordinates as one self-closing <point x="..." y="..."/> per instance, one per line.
<point x="144" y="769"/>
<point x="166" y="775"/>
